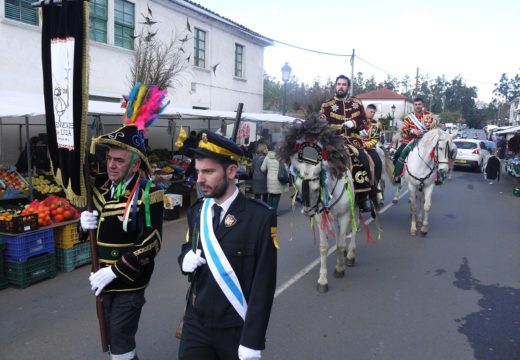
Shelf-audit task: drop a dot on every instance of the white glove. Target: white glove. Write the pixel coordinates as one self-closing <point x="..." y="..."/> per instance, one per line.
<point x="363" y="133"/>
<point x="192" y="260"/>
<point x="245" y="353"/>
<point x="101" y="278"/>
<point x="349" y="124"/>
<point x="88" y="220"/>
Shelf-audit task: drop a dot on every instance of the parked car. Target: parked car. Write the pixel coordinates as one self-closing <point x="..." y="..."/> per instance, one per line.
<point x="471" y="153"/>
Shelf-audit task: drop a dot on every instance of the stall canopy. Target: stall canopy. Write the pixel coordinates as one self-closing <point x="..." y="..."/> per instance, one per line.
<point x="510" y="130"/>
<point x="19" y="104"/>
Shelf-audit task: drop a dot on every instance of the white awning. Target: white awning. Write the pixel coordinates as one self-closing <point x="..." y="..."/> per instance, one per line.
<point x="510" y="130"/>
<point x="19" y="104"/>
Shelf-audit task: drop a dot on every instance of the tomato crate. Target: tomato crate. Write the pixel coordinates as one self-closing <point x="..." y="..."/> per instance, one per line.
<point x="19" y="224"/>
<point x="18" y="248"/>
<point x="69" y="259"/>
<point x="26" y="273"/>
<point x="65" y="237"/>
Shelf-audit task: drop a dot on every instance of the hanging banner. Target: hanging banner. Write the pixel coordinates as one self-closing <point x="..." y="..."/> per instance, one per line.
<point x="65" y="86"/>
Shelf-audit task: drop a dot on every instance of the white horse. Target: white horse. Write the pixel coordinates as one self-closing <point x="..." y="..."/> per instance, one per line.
<point x="320" y="174"/>
<point x="389" y="166"/>
<point x="427" y="160"/>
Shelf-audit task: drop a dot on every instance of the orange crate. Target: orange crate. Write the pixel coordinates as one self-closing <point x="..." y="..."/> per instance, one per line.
<point x="66" y="236"/>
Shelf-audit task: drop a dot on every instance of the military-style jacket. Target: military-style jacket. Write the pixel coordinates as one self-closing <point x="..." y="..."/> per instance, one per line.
<point x="336" y="111"/>
<point x="374" y="135"/>
<point x="425" y="117"/>
<point x="247" y="236"/>
<point x="131" y="254"/>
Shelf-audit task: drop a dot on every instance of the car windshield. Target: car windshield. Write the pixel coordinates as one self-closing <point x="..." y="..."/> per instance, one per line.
<point x="465" y="145"/>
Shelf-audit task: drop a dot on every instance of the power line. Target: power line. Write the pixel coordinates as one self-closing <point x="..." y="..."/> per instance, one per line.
<point x="310" y="50"/>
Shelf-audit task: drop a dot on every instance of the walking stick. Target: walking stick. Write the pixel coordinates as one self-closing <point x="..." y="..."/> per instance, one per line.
<point x="95" y="264"/>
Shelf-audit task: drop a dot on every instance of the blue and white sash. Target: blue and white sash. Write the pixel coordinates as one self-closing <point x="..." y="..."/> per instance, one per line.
<point x="417" y="123"/>
<point x="218" y="263"/>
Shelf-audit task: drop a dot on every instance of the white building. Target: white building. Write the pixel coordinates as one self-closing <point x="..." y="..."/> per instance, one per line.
<point x="514" y="112"/>
<point x="214" y="41"/>
<point x="226" y="59"/>
<point x="388" y="103"/>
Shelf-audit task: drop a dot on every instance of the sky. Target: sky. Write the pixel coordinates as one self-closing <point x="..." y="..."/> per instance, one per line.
<point x="479" y="40"/>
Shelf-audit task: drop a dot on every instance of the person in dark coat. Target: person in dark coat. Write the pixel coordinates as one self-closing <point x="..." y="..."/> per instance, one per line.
<point x="230" y="259"/>
<point x="492" y="169"/>
<point x="259" y="178"/>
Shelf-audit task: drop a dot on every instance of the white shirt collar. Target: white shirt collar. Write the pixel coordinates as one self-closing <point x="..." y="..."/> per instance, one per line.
<point x="113" y="186"/>
<point x="227" y="203"/>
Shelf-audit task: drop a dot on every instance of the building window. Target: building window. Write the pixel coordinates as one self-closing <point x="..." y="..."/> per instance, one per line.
<point x="21" y="10"/>
<point x="239" y="60"/>
<point x="124" y="24"/>
<point x="98" y="20"/>
<point x="200" y="48"/>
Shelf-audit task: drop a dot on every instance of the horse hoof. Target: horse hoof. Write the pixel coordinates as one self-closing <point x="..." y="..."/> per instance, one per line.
<point x="351" y="262"/>
<point x="413" y="232"/>
<point x="394" y="201"/>
<point x="323" y="288"/>
<point x="339" y="274"/>
<point x="424" y="233"/>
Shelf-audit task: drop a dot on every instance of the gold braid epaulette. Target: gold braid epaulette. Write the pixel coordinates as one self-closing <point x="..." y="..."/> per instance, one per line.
<point x="328" y="103"/>
<point x="157" y="196"/>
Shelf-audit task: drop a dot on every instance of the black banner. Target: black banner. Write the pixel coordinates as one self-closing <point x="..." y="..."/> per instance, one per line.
<point x="65" y="86"/>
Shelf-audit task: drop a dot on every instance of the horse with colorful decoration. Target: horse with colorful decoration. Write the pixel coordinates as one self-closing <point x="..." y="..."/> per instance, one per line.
<point x="319" y="165"/>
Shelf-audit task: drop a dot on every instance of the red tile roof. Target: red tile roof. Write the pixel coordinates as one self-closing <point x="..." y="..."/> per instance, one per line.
<point x="381" y="94"/>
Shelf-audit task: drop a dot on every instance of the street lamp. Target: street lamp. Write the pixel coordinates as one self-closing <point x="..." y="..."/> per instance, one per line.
<point x="286" y="74"/>
<point x="393" y="115"/>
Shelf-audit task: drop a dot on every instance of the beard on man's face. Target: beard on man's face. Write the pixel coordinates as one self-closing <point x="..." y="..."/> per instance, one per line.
<point x="220" y="189"/>
<point x="341" y="93"/>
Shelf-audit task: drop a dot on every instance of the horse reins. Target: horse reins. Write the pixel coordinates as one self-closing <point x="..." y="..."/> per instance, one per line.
<point x="435" y="164"/>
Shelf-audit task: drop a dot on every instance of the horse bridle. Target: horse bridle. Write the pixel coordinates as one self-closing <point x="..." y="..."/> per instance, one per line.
<point x="436" y="163"/>
<point x="319" y="206"/>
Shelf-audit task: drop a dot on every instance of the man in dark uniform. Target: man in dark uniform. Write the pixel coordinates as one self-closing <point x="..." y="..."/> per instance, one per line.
<point x="347" y="114"/>
<point x="128" y="218"/>
<point x="230" y="259"/>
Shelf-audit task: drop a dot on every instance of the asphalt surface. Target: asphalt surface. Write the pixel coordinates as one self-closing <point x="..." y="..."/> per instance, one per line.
<point x="453" y="294"/>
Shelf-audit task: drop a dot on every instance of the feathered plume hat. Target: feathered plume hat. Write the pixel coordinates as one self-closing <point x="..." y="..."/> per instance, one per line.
<point x="143" y="105"/>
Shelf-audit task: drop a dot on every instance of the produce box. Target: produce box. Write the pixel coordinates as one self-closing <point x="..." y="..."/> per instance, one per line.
<point x="37" y="268"/>
<point x="69" y="259"/>
<point x="66" y="236"/>
<point x="18" y="223"/>
<point x="23" y="246"/>
<point x="12" y="185"/>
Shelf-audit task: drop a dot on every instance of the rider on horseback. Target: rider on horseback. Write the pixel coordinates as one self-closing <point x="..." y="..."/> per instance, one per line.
<point x="415" y="125"/>
<point x="347" y="114"/>
<point x="370" y="137"/>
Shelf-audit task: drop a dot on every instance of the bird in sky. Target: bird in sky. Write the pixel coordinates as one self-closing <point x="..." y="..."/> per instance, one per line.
<point x="214" y="68"/>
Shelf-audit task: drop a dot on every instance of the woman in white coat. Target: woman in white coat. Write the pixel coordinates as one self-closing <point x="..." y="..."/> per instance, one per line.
<point x="275" y="189"/>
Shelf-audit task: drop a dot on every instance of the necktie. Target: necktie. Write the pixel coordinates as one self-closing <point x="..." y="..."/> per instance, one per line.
<point x="216" y="216"/>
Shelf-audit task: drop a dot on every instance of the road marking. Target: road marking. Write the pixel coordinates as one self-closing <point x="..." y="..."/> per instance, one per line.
<point x="313" y="264"/>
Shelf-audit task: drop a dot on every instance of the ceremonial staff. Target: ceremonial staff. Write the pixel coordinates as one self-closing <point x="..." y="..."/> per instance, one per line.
<point x="95" y="264"/>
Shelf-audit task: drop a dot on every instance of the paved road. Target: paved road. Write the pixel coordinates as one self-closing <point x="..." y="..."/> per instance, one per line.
<point x="451" y="295"/>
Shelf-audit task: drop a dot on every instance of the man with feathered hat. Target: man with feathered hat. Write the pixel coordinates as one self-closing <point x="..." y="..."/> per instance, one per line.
<point x="128" y="219"/>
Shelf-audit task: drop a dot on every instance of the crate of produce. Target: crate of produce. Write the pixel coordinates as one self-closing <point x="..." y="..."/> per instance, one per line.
<point x="15" y="224"/>
<point x="12" y="185"/>
<point x="65" y="237"/>
<point x="18" y="248"/>
<point x="26" y="273"/>
<point x="69" y="259"/>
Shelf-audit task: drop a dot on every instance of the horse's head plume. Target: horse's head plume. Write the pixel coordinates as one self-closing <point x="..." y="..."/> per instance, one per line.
<point x="313" y="129"/>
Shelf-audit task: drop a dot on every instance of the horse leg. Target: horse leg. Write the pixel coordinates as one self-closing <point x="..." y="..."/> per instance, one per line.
<point x="323" y="284"/>
<point x="339" y="271"/>
<point x="427" y="207"/>
<point x="351" y="254"/>
<point x="413" y="209"/>
<point x="397" y="195"/>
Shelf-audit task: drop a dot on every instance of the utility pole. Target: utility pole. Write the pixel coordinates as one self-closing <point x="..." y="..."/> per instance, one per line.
<point x="352" y="71"/>
<point x="416" y="91"/>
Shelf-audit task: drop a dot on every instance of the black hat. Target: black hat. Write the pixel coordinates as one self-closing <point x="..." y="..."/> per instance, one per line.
<point x="218" y="147"/>
<point x="127" y="137"/>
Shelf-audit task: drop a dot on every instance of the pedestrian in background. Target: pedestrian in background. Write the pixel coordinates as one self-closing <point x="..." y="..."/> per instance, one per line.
<point x="259" y="178"/>
<point x="275" y="189"/>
